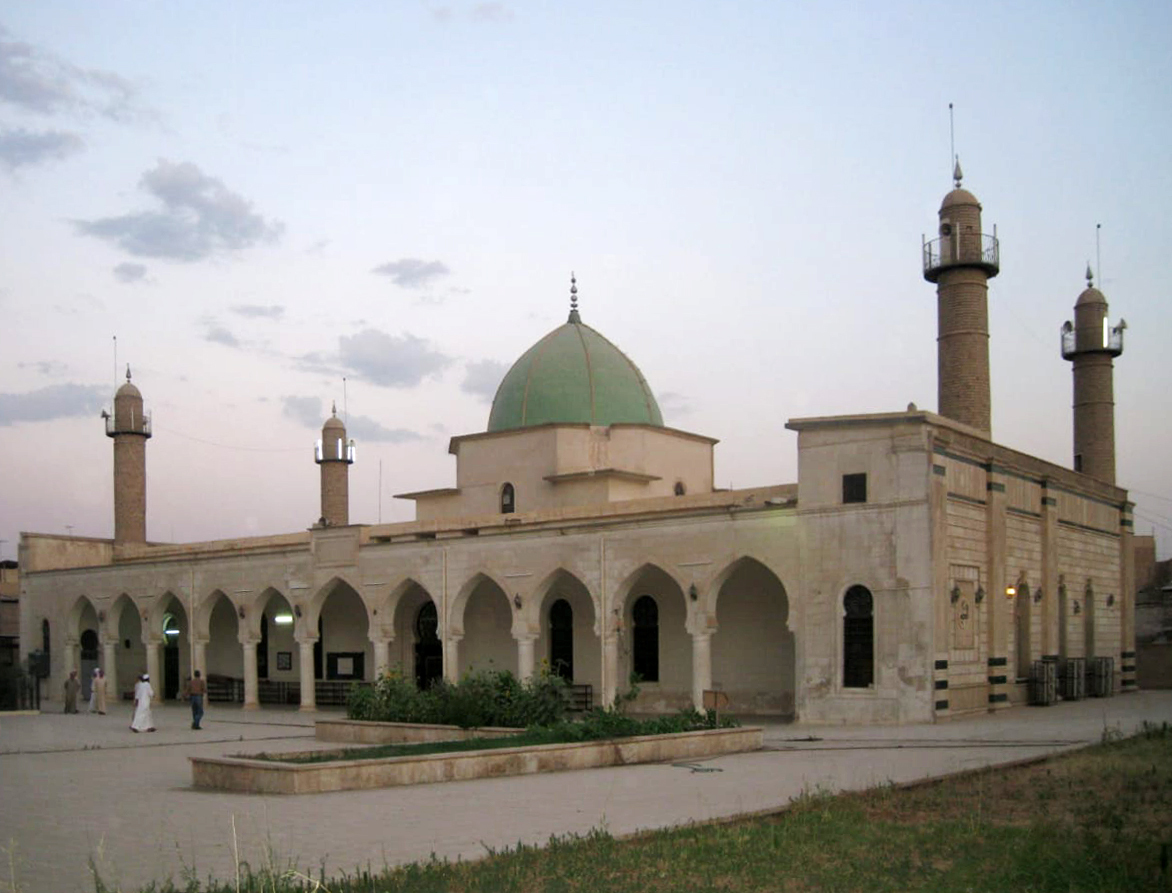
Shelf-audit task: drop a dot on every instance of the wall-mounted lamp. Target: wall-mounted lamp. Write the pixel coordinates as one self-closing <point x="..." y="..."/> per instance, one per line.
<point x="144" y="615"/>
<point x="1110" y="599"/>
<point x="517" y="601"/>
<point x="954" y="596"/>
<point x="693" y="592"/>
<point x="297" y="610"/>
<point x="240" y="612"/>
<point x="1010" y="591"/>
<point x="980" y="596"/>
<point x="101" y="616"/>
<point x="1037" y="595"/>
<point x="1077" y="607"/>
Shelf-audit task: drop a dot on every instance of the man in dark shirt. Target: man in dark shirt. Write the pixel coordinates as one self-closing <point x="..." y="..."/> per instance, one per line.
<point x="198" y="689"/>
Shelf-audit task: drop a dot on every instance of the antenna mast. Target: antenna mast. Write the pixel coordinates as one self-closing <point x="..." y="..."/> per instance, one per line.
<point x="115" y="363"/>
<point x="345" y="404"/>
<point x="951" y="139"/>
<point x="1098" y="262"/>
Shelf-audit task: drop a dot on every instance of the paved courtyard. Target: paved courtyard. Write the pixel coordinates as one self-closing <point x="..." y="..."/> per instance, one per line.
<point x="76" y="790"/>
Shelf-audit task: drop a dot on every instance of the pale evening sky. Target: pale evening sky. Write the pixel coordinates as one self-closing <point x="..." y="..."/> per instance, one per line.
<point x="261" y="199"/>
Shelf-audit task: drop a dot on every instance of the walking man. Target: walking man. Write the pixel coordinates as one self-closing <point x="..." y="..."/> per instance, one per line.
<point x="72" y="690"/>
<point x="199" y="688"/>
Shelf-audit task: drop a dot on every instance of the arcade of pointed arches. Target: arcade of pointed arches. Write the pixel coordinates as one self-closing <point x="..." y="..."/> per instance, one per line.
<point x="679" y="636"/>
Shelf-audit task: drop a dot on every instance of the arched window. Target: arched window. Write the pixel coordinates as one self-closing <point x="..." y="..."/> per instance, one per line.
<point x="508" y="500"/>
<point x="45" y="636"/>
<point x="429" y="660"/>
<point x="89" y="645"/>
<point x="262" y="649"/>
<point x="858" y="638"/>
<point x="561" y="639"/>
<point x="1022" y="628"/>
<point x="645" y="655"/>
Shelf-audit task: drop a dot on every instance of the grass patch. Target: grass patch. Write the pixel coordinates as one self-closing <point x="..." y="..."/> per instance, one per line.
<point x="1097" y="820"/>
<point x="598" y="725"/>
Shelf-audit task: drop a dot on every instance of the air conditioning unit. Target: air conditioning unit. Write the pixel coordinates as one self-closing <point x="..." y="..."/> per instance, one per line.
<point x="1043" y="687"/>
<point x="1101" y="677"/>
<point x="1074" y="679"/>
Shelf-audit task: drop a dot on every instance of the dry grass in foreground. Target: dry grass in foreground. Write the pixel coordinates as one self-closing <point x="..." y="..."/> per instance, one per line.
<point x="1098" y="820"/>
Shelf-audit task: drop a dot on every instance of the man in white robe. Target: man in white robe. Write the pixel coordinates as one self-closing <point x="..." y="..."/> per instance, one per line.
<point x="143" y="720"/>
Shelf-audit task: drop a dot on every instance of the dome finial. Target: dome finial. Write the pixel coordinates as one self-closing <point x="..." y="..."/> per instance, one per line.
<point x="128" y="372"/>
<point x="574" y="317"/>
<point x="1090" y="276"/>
<point x="957" y="173"/>
<point x="334" y="408"/>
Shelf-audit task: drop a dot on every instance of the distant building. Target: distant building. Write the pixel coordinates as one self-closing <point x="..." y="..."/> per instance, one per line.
<point x="916" y="569"/>
<point x="9" y="613"/>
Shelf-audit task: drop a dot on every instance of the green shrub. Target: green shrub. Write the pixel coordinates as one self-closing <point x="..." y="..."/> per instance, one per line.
<point x="482" y="698"/>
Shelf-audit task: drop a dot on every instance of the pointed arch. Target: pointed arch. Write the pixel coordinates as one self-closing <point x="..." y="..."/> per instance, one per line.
<point x="484" y="614"/>
<point x="710" y="593"/>
<point x="455" y="618"/>
<point x="313" y="607"/>
<point x="753" y="645"/>
<point x="568" y="623"/>
<point x="647" y="584"/>
<point x="81" y="605"/>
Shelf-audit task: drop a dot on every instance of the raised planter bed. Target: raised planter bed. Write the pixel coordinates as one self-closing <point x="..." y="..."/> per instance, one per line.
<point x="356" y="731"/>
<point x="242" y="773"/>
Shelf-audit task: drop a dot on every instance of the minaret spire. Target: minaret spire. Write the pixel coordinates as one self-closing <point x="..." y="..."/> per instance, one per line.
<point x="574" y="317"/>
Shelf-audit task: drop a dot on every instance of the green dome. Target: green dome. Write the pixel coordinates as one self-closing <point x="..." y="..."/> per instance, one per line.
<point x="573" y="374"/>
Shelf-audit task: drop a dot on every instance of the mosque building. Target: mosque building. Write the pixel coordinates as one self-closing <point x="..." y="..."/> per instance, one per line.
<point x="917" y="569"/>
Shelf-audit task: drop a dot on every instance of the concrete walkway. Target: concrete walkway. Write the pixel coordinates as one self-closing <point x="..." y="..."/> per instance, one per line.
<point x="82" y="789"/>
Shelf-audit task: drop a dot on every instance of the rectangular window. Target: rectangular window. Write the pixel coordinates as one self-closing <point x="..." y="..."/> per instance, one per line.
<point x="854" y="487"/>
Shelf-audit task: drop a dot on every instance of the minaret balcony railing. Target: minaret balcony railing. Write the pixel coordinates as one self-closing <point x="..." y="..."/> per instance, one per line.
<point x="137" y="426"/>
<point x="979" y="250"/>
<point x="1112" y="341"/>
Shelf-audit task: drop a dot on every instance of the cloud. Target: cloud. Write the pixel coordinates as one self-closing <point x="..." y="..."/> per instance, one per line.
<point x="53" y="402"/>
<point x="200" y="217"/>
<point x="671" y="402"/>
<point x="35" y="80"/>
<point x="21" y="147"/>
<point x="309" y="411"/>
<point x="483" y="377"/>
<point x="364" y="428"/>
<point x="259" y="311"/>
<point x="491" y="12"/>
<point x="128" y="272"/>
<point x="388" y="360"/>
<point x="306" y="410"/>
<point x="218" y="334"/>
<point x="45" y="367"/>
<point x="411" y="272"/>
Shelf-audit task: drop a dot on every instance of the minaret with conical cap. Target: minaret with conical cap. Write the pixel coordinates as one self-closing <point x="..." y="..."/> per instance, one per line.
<point x="1091" y="345"/>
<point x="334" y="454"/>
<point x="961" y="262"/>
<point x="131" y="429"/>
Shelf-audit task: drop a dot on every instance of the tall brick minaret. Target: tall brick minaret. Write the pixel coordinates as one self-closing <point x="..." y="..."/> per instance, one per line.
<point x="130" y="429"/>
<point x="961" y="262"/>
<point x="334" y="454"/>
<point x="1091" y="345"/>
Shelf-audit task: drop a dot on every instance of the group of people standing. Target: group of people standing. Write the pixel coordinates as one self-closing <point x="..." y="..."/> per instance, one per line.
<point x="97" y="692"/>
<point x="143" y="719"/>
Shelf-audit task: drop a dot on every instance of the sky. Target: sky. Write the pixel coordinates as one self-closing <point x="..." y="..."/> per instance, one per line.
<point x="265" y="208"/>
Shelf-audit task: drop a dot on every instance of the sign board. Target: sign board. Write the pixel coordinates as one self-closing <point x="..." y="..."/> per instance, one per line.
<point x="715" y="700"/>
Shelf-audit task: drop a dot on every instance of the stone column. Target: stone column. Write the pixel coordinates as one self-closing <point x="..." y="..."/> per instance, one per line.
<point x="610" y="668"/>
<point x="251" y="694"/>
<point x="382" y="653"/>
<point x="997" y="606"/>
<point x="452" y="658"/>
<point x="1125" y="602"/>
<point x="110" y="667"/>
<point x="308" y="680"/>
<point x="200" y="657"/>
<point x="525" y="656"/>
<point x="152" y="656"/>
<point x="701" y="667"/>
<point x="1050" y="614"/>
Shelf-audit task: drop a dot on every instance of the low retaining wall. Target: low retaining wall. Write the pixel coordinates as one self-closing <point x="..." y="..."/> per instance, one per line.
<point x="354" y="731"/>
<point x="267" y="777"/>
